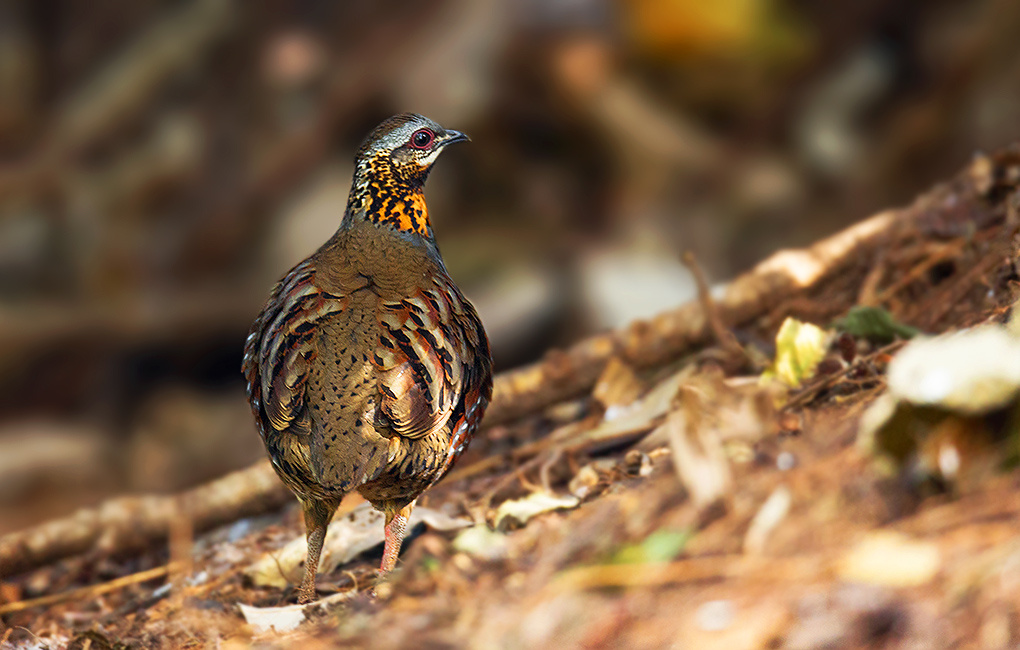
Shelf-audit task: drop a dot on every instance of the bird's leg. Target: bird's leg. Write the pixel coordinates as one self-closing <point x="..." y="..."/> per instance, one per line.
<point x="317" y="516"/>
<point x="396" y="526"/>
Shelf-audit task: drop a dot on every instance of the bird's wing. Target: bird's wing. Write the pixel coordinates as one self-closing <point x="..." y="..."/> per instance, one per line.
<point x="281" y="347"/>
<point x="475" y="396"/>
<point x="430" y="348"/>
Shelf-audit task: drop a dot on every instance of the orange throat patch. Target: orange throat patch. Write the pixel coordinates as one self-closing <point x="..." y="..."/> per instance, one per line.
<point x="403" y="212"/>
<point x="391" y="202"/>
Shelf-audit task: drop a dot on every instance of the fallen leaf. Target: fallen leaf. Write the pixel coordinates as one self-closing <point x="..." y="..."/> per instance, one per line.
<point x="482" y="542"/>
<point x="639" y="418"/>
<point x="584" y="481"/>
<point x="617" y="387"/>
<point x="273" y="619"/>
<point x="970" y="372"/>
<point x="288" y="617"/>
<point x="698" y="454"/>
<point x="347" y="537"/>
<point x="741" y="411"/>
<point x="889" y="559"/>
<point x="800" y="347"/>
<point x="770" y="515"/>
<point x="536" y="503"/>
<point x="940" y="390"/>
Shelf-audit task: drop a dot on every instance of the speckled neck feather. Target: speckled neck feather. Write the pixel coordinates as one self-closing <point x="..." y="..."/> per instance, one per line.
<point x="390" y="195"/>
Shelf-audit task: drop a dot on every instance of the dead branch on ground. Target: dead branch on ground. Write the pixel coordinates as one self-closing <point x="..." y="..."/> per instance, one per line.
<point x="130" y="523"/>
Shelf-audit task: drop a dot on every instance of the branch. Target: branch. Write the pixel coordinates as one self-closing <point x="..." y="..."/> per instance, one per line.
<point x="565" y="374"/>
<point x="132" y="523"/>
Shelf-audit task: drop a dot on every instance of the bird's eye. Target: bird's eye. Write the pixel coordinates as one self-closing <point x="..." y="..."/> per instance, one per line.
<point x="422" y="138"/>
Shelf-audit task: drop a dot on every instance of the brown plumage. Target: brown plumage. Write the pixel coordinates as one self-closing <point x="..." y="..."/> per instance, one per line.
<point x="367" y="369"/>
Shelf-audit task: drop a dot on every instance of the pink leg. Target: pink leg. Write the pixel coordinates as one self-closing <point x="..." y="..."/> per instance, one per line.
<point x="396" y="526"/>
<point x="317" y="516"/>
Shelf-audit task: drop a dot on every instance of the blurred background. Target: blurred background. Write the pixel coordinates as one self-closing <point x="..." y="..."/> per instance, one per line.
<point x="163" y="162"/>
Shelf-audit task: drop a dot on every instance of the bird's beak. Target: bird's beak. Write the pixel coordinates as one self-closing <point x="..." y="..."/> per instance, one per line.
<point x="454" y="136"/>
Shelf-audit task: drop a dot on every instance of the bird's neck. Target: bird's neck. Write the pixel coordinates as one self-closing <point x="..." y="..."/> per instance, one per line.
<point x="382" y="196"/>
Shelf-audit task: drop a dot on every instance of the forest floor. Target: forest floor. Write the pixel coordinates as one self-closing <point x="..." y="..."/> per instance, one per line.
<point x="678" y="503"/>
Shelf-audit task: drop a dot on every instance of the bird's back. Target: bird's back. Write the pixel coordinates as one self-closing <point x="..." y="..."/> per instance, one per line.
<point x="364" y="369"/>
<point x="346" y="449"/>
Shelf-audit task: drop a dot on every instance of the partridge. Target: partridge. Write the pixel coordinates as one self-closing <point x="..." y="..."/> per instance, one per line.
<point x="368" y="369"/>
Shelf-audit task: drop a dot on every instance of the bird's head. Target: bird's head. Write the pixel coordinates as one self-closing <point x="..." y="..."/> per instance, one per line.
<point x="390" y="169"/>
<point x="405" y="145"/>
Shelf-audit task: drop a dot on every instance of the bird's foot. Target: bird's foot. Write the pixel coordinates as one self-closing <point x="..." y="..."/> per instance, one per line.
<point x="307" y="595"/>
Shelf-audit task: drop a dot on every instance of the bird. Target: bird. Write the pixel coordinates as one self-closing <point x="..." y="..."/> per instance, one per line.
<point x="367" y="368"/>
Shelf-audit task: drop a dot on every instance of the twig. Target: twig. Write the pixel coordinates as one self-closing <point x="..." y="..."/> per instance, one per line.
<point x="942" y="253"/>
<point x="484" y="465"/>
<point x="514" y="476"/>
<point x="723" y="336"/>
<point x="808" y="393"/>
<point x="947" y="297"/>
<point x="561" y="438"/>
<point x="90" y="591"/>
<point x="545" y="471"/>
<point x="869" y="288"/>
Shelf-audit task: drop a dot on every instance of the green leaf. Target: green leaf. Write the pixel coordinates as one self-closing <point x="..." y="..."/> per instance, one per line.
<point x="874" y="324"/>
<point x="661" y="546"/>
